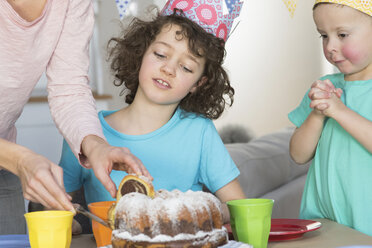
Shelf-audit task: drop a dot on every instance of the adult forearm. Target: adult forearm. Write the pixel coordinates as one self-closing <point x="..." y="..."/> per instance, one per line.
<point x="90" y="142"/>
<point x="10" y="154"/>
<point x="42" y="180"/>
<point x="305" y="138"/>
<point x="70" y="97"/>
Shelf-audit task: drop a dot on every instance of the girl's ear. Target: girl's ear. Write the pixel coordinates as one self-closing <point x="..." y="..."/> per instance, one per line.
<point x="201" y="81"/>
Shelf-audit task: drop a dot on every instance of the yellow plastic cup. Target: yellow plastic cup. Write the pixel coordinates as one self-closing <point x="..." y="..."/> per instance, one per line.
<point x="49" y="228"/>
<point x="102" y="234"/>
<point x="250" y="220"/>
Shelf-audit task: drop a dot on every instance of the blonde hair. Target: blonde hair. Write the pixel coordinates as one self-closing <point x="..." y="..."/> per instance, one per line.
<point x="364" y="6"/>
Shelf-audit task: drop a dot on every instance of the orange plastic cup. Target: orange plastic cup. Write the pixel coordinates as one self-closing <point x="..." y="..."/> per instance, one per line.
<point x="101" y="233"/>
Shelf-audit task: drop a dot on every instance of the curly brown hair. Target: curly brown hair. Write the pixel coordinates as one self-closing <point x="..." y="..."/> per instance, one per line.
<point x="127" y="53"/>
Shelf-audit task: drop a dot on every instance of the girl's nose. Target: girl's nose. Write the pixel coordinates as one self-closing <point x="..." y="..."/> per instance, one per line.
<point x="169" y="68"/>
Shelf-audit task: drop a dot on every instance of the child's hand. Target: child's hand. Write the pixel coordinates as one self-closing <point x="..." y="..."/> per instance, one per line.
<point x="319" y="92"/>
<point x="328" y="106"/>
<point x="76" y="227"/>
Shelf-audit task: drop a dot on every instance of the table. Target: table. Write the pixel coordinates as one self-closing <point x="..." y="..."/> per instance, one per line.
<point x="330" y="235"/>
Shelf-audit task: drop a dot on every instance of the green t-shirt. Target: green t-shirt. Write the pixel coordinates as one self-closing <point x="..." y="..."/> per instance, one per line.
<point x="339" y="181"/>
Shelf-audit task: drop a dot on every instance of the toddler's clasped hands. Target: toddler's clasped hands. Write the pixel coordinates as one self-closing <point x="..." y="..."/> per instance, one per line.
<point x="325" y="98"/>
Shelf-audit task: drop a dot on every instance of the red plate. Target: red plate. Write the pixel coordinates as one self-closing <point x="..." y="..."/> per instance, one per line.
<point x="287" y="229"/>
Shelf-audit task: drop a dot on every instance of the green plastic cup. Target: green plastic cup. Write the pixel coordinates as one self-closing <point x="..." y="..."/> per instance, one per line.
<point x="250" y="220"/>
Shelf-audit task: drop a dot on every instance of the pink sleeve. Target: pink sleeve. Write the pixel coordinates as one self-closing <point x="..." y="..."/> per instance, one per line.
<point x="70" y="98"/>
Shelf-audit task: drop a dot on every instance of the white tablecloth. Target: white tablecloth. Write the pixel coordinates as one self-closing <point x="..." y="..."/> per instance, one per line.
<point x="230" y="244"/>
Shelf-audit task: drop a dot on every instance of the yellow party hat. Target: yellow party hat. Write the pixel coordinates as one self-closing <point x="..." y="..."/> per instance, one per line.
<point x="291" y="6"/>
<point x="362" y="5"/>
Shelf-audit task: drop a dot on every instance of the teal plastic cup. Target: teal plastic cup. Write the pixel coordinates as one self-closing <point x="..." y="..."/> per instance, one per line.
<point x="250" y="220"/>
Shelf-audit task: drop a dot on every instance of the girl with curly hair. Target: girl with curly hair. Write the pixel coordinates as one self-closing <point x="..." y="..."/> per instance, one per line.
<point x="172" y="74"/>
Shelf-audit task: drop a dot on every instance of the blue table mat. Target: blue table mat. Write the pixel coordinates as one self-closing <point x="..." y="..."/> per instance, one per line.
<point x="14" y="241"/>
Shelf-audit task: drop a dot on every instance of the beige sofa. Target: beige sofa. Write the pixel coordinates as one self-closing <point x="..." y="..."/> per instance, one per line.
<point x="267" y="171"/>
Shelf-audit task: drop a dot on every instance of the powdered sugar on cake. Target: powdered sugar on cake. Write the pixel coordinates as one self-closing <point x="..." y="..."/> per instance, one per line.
<point x="215" y="234"/>
<point x="173" y="208"/>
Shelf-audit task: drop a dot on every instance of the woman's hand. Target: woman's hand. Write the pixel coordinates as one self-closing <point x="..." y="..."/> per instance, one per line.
<point x="103" y="158"/>
<point x="42" y="181"/>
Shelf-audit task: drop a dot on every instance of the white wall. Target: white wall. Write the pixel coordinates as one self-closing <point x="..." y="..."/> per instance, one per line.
<point x="108" y="26"/>
<point x="271" y="58"/>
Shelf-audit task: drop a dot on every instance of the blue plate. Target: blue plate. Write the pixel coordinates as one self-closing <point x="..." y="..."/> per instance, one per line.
<point x="14" y="241"/>
<point x="356" y="246"/>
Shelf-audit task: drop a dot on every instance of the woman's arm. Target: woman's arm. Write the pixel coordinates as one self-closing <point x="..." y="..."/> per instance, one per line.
<point x="72" y="104"/>
<point x="42" y="180"/>
<point x="103" y="158"/>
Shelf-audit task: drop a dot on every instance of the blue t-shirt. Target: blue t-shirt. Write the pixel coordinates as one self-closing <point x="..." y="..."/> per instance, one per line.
<point x="186" y="153"/>
<point x="339" y="185"/>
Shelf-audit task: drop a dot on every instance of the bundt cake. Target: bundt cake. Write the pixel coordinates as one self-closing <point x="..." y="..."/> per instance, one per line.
<point x="168" y="219"/>
<point x="130" y="183"/>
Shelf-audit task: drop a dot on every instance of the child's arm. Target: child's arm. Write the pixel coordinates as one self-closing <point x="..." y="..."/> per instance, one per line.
<point x="305" y="138"/>
<point x="356" y="125"/>
<point x="231" y="191"/>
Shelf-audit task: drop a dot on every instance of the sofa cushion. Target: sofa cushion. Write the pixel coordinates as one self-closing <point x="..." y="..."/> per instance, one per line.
<point x="287" y="198"/>
<point x="265" y="163"/>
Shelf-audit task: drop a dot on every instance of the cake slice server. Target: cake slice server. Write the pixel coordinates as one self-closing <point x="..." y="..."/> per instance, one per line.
<point x="81" y="210"/>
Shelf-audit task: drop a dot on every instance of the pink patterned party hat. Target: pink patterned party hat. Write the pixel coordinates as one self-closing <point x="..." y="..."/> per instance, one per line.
<point x="209" y="14"/>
